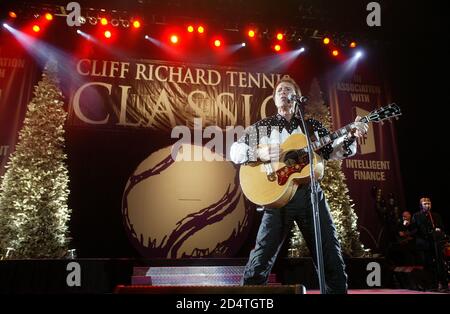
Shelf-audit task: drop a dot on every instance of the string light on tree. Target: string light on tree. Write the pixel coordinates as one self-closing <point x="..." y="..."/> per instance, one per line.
<point x="34" y="192"/>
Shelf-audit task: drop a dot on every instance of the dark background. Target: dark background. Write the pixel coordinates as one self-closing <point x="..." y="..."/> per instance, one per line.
<point x="419" y="82"/>
<point x="412" y="37"/>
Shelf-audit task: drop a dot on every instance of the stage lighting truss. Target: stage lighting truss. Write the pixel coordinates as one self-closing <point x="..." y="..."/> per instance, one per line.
<point x="114" y="18"/>
<point x="292" y="34"/>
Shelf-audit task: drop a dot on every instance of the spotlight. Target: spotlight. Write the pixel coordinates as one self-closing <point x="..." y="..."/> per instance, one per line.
<point x="217" y="43"/>
<point x="335" y="52"/>
<point x="326" y="40"/>
<point x="251" y="33"/>
<point x="92" y="20"/>
<point x="5" y="25"/>
<point x="146" y="37"/>
<point x="48" y="16"/>
<point x="136" y="24"/>
<point x="78" y="32"/>
<point x="107" y="34"/>
<point x="103" y="21"/>
<point x="243" y="44"/>
<point x="280" y="36"/>
<point x="277" y="48"/>
<point x="174" y="39"/>
<point x="358" y="54"/>
<point x="302" y="49"/>
<point x="190" y="28"/>
<point x="36" y="28"/>
<point x="12" y="14"/>
<point x="115" y="22"/>
<point x="352" y="44"/>
<point x="200" y="29"/>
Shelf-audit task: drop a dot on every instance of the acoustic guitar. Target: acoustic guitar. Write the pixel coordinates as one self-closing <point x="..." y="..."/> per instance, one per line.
<point x="273" y="184"/>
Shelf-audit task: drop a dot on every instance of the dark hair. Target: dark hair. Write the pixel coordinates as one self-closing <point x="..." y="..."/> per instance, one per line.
<point x="287" y="79"/>
<point x="423" y="199"/>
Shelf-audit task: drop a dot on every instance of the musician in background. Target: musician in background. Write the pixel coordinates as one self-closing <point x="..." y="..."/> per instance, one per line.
<point x="430" y="238"/>
<point x="405" y="227"/>
<point x="261" y="142"/>
<point x="402" y="249"/>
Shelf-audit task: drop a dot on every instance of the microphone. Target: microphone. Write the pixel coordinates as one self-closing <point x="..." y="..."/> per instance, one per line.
<point x="300" y="99"/>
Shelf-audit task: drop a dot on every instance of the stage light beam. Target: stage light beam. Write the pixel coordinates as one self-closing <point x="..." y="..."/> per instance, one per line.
<point x="86" y="36"/>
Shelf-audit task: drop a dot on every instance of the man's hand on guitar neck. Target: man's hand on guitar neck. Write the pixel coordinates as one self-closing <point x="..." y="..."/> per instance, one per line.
<point x="360" y="128"/>
<point x="268" y="152"/>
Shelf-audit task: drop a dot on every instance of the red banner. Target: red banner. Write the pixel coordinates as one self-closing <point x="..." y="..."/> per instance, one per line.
<point x="15" y="90"/>
<point x="374" y="171"/>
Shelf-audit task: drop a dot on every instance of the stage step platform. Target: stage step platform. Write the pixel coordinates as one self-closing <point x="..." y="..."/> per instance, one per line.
<point x="191" y="276"/>
<point x="225" y="279"/>
<point x="227" y="289"/>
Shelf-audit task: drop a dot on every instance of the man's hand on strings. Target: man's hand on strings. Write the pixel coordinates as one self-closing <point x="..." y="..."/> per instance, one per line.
<point x="359" y="128"/>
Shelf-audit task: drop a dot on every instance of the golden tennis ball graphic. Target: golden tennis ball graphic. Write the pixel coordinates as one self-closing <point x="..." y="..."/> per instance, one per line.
<point x="184" y="207"/>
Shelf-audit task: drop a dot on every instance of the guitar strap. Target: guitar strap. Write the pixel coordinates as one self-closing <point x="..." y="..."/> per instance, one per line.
<point x="314" y="135"/>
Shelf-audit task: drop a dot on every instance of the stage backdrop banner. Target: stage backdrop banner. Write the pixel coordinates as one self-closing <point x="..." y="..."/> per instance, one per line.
<point x="374" y="171"/>
<point x="160" y="95"/>
<point x="15" y="89"/>
<point x="176" y="203"/>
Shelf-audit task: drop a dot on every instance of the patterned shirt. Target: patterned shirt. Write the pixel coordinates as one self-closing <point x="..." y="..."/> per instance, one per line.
<point x="276" y="129"/>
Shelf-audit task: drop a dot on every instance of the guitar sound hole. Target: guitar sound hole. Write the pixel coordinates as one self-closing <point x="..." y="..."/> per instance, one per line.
<point x="294" y="157"/>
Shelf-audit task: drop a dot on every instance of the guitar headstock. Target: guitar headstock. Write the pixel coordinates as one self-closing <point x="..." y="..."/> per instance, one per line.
<point x="383" y="113"/>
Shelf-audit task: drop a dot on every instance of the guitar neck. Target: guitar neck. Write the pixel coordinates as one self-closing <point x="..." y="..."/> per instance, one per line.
<point x="323" y="141"/>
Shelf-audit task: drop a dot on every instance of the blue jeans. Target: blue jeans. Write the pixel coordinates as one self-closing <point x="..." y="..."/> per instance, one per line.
<point x="276" y="224"/>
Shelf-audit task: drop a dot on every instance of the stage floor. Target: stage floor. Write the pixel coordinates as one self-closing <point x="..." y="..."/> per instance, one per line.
<point x="100" y="276"/>
<point x="382" y="291"/>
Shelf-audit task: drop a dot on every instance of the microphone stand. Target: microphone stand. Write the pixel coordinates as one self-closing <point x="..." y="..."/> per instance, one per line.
<point x="314" y="199"/>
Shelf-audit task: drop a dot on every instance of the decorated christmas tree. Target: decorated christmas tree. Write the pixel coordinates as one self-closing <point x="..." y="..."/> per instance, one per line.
<point x="34" y="190"/>
<point x="335" y="189"/>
